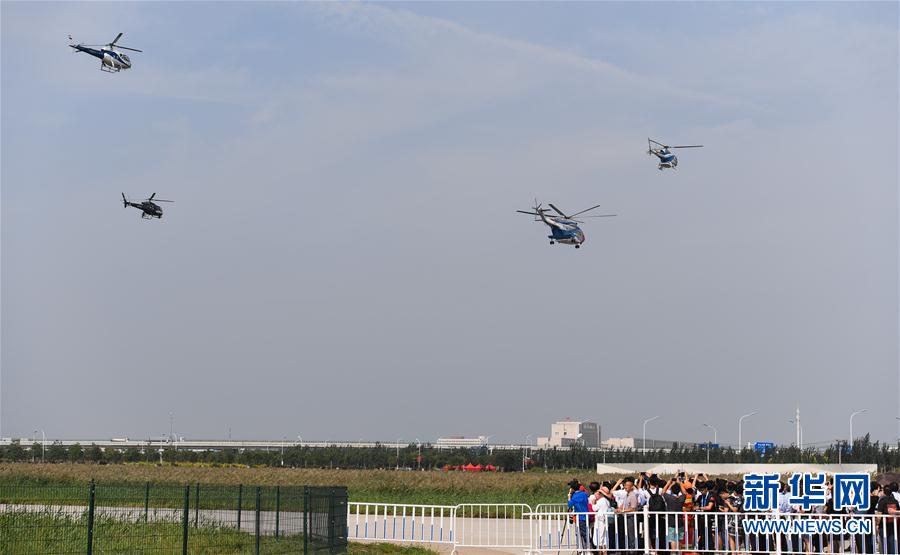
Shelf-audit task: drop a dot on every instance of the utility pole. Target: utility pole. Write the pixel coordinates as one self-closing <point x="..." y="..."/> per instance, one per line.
<point x="799" y="433"/>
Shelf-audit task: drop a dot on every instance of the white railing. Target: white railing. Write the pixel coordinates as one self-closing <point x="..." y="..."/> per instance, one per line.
<point x="493" y="526"/>
<point x="390" y="522"/>
<point x="516" y="527"/>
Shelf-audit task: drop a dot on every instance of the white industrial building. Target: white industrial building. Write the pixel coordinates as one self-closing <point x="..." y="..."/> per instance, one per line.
<point x="640" y="443"/>
<point x="568" y="433"/>
<point x="460" y="441"/>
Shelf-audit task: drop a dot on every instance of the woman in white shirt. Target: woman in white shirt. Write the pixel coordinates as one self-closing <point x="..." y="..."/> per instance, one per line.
<point x="602" y="509"/>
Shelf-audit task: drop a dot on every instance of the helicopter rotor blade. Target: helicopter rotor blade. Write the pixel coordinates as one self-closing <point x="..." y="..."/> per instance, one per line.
<point x="601" y="216"/>
<point x="530" y="213"/>
<point x="113" y="43"/>
<point x="163" y="200"/>
<point x="151" y="196"/>
<point x="583" y="211"/>
<point x="124" y="201"/>
<point x="126" y="48"/>
<point x="557" y="210"/>
<point x="686" y="146"/>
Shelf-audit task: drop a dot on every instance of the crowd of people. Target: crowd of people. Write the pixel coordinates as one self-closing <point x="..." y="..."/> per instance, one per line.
<point x="704" y="515"/>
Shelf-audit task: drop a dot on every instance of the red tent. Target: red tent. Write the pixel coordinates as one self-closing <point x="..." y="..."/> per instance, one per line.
<point x="471" y="468"/>
<point x="490" y="467"/>
<point x="478" y="468"/>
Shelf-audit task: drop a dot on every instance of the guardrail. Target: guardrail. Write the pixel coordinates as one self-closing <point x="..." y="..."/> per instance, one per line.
<point x="493" y="526"/>
<point x="390" y="522"/>
<point x="517" y="527"/>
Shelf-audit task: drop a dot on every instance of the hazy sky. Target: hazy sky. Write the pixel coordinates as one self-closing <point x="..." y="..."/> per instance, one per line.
<point x="344" y="260"/>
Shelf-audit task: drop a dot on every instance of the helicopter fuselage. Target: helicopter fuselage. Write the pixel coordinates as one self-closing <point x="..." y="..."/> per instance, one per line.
<point x="148" y="209"/>
<point x="666" y="158"/>
<point x="110" y="59"/>
<point x="563" y="231"/>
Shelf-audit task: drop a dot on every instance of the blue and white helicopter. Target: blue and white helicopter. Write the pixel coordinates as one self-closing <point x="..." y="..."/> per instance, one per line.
<point x="111" y="60"/>
<point x="563" y="228"/>
<point x="666" y="158"/>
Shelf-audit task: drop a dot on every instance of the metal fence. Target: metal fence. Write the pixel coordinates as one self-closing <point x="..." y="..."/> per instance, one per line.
<point x="154" y="518"/>
<point x="513" y="527"/>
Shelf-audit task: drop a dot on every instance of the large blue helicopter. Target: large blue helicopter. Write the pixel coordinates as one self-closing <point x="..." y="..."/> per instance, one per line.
<point x="111" y="59"/>
<point x="666" y="158"/>
<point x="563" y="228"/>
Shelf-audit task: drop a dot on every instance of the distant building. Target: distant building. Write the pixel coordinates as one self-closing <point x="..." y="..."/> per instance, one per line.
<point x="460" y="441"/>
<point x="568" y="433"/>
<point x="638" y="443"/>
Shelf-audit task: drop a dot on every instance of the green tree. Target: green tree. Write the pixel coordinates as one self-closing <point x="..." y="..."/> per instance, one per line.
<point x="56" y="452"/>
<point x="75" y="453"/>
<point x="93" y="453"/>
<point x="15" y="452"/>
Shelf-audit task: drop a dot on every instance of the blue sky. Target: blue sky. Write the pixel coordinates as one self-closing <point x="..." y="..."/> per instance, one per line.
<point x="344" y="240"/>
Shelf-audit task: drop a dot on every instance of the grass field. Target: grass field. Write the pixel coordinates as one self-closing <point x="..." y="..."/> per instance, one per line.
<point x="22" y="533"/>
<point x="428" y="487"/>
<point x="46" y="533"/>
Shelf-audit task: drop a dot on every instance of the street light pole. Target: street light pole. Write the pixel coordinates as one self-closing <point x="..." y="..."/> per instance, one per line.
<point x="715" y="440"/>
<point x="799" y="434"/>
<point x="399" y="439"/>
<point x="644" y="443"/>
<point x="740" y="429"/>
<point x="419" y="457"/>
<point x="283" y="439"/>
<point x="525" y="450"/>
<point x="851" y="424"/>
<point x="43" y="445"/>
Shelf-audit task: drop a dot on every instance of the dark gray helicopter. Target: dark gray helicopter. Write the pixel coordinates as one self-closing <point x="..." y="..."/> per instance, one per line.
<point x="149" y="209"/>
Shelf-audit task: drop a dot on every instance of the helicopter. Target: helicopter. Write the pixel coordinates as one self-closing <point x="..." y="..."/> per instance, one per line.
<point x="149" y="209"/>
<point x="111" y="59"/>
<point x="563" y="228"/>
<point x="666" y="158"/>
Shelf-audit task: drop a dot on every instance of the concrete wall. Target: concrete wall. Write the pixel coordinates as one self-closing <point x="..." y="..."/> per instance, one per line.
<point x="725" y="469"/>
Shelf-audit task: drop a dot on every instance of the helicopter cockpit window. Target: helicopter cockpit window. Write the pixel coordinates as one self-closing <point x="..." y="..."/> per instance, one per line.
<point x="124" y="57"/>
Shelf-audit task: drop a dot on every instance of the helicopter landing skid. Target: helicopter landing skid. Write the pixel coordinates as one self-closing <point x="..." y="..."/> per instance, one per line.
<point x="107" y="69"/>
